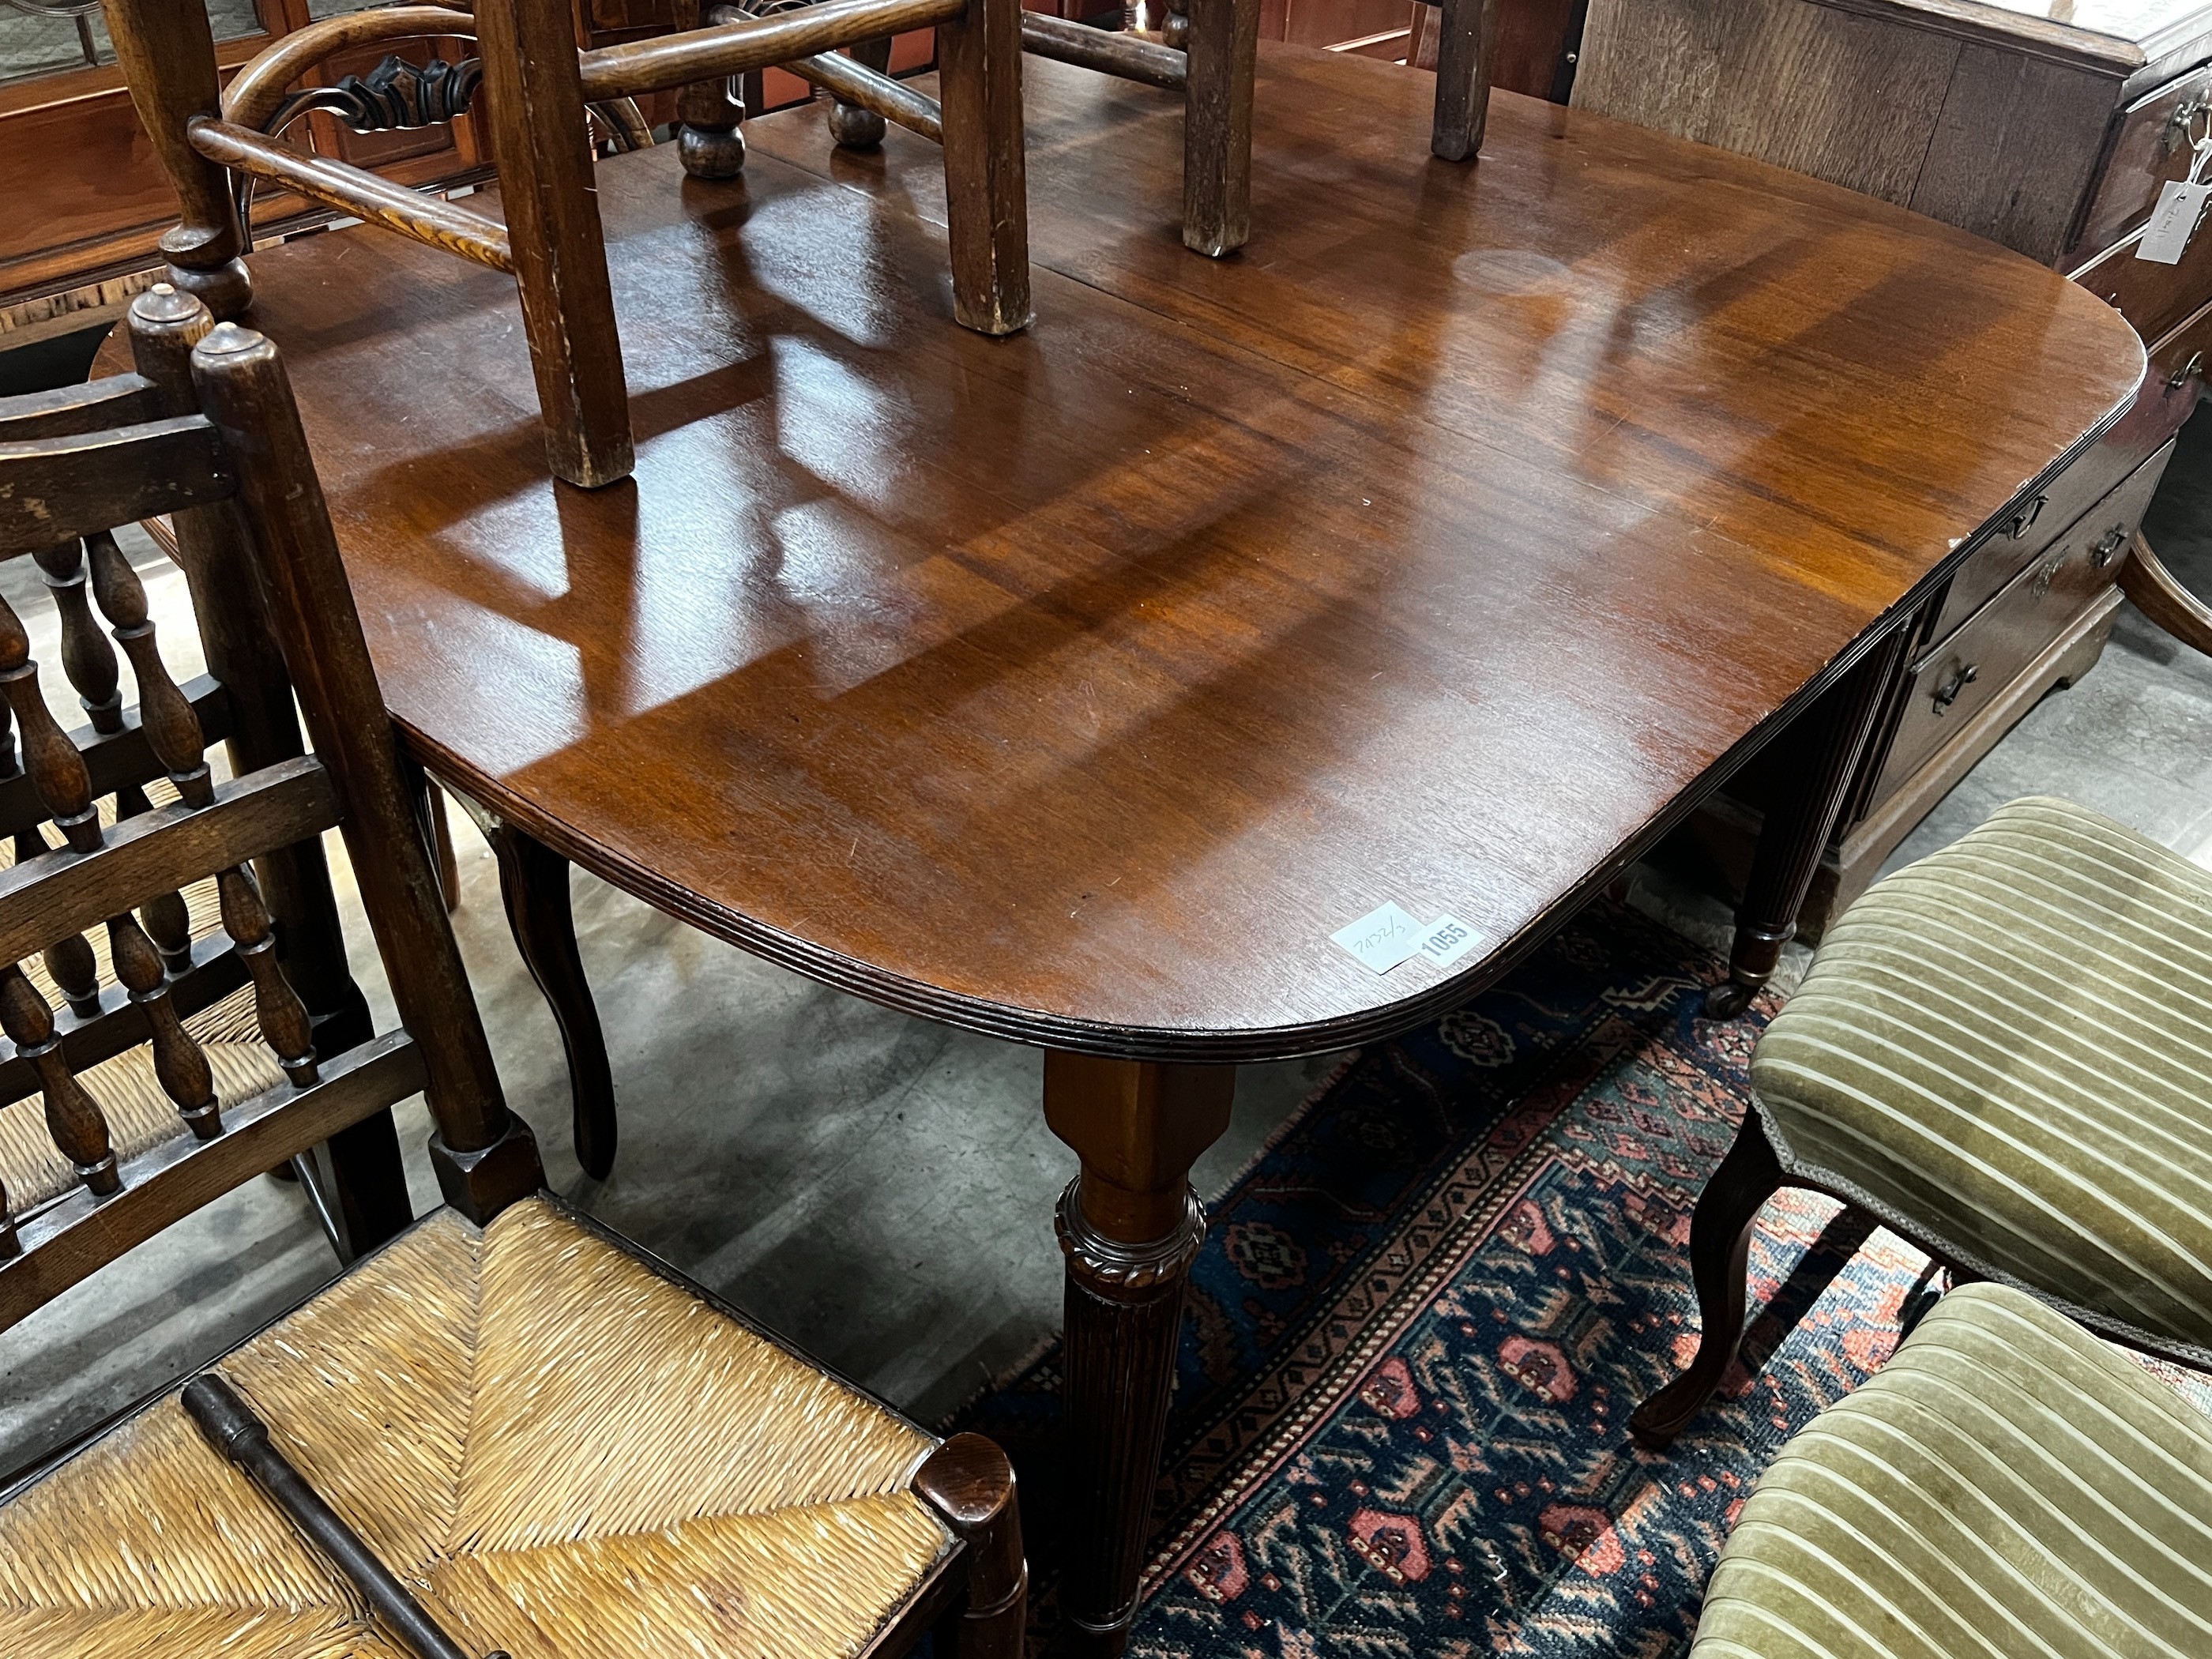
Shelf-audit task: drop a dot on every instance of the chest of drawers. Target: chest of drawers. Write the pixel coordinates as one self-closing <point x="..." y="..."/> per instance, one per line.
<point x="2048" y="125"/>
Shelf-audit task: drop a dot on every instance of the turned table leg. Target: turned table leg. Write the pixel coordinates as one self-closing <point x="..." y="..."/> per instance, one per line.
<point x="1222" y="43"/>
<point x="1130" y="1226"/>
<point x="1827" y="742"/>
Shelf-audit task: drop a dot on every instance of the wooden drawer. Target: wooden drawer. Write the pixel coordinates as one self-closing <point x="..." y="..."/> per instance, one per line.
<point x="2152" y="296"/>
<point x="2028" y="531"/>
<point x="1952" y="680"/>
<point x="2150" y="148"/>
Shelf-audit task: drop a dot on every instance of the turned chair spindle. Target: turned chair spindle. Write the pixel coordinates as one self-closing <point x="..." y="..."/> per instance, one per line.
<point x="172" y="729"/>
<point x="74" y="1119"/>
<point x="57" y="771"/>
<point x="71" y="965"/>
<point x="88" y="659"/>
<point x="283" y="1017"/>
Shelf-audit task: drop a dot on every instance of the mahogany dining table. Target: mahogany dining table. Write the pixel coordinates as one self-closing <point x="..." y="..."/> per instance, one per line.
<point x="1441" y="550"/>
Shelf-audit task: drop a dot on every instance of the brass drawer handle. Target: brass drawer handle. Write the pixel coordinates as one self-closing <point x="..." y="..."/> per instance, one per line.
<point x="2107" y="544"/>
<point x="1962" y="676"/>
<point x="2178" y="124"/>
<point x="2023" y="521"/>
<point x="2181" y="376"/>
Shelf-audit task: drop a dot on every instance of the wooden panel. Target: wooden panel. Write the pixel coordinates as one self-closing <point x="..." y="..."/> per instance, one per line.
<point x="2006" y="636"/>
<point x="2012" y="156"/>
<point x="1848" y="98"/>
<point x="1329" y="22"/>
<point x="2142" y="158"/>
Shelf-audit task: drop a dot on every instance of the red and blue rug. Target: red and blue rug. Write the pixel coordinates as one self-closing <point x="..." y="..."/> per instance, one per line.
<point x="1423" y="1317"/>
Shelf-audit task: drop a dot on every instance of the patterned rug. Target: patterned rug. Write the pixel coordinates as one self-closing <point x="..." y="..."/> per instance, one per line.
<point x="1423" y="1315"/>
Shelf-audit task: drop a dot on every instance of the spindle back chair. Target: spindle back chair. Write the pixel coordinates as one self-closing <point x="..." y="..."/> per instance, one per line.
<point x="72" y="469"/>
<point x="629" y="1468"/>
<point x="540" y="88"/>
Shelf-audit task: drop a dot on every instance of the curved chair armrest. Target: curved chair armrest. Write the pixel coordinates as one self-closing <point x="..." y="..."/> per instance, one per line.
<point x="2145" y="580"/>
<point x="259" y="88"/>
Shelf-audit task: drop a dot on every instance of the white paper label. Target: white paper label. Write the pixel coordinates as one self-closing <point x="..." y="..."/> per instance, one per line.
<point x="1447" y="939"/>
<point x="1383" y="938"/>
<point x="2172" y="221"/>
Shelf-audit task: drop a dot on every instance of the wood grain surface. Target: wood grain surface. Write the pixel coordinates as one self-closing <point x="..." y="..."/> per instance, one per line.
<point x="1441" y="548"/>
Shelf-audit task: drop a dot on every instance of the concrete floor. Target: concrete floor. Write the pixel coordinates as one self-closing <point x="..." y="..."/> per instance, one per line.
<point x="877" y="1188"/>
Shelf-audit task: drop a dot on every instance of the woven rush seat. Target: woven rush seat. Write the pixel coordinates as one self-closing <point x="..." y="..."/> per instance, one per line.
<point x="562" y="1451"/>
<point x="2005" y="1486"/>
<point x="2009" y="1045"/>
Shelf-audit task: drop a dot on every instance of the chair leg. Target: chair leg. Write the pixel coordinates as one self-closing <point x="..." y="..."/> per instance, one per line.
<point x="1222" y="52"/>
<point x="533" y="883"/>
<point x="707" y="117"/>
<point x="852" y="127"/>
<point x="979" y="83"/>
<point x="1720" y="1247"/>
<point x="968" y="1481"/>
<point x="1467" y="32"/>
<point x="166" y="53"/>
<point x="536" y="98"/>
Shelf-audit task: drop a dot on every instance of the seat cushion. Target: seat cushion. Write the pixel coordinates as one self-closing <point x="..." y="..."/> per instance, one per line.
<point x="2005" y="1486"/>
<point x="2009" y="1045"/>
<point x="562" y="1451"/>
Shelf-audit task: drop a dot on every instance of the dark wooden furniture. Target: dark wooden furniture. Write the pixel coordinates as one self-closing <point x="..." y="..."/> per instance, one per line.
<point x="206" y="428"/>
<point x="1450" y="556"/>
<point x="1998" y="1066"/>
<point x="2052" y="138"/>
<point x="551" y="241"/>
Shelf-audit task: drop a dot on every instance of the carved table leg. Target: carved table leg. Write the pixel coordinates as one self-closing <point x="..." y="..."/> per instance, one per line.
<point x="533" y="885"/>
<point x="1720" y="1255"/>
<point x="1223" y="47"/>
<point x="1828" y="738"/>
<point x="1467" y="32"/>
<point x="1129" y="1226"/>
<point x="852" y="127"/>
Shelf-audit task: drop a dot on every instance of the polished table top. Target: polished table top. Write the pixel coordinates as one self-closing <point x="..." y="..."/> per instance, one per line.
<point x="1078" y="687"/>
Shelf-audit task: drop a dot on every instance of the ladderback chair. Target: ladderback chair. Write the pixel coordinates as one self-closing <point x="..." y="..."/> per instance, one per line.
<point x="505" y="1428"/>
<point x="110" y="769"/>
<point x="539" y="88"/>
<point x="2002" y="1051"/>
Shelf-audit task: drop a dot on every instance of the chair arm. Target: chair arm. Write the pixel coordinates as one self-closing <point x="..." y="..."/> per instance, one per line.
<point x="2147" y="581"/>
<point x="259" y="90"/>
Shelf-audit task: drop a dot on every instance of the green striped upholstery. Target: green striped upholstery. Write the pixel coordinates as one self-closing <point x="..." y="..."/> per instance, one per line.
<point x="2008" y="1045"/>
<point x="2006" y="1486"/>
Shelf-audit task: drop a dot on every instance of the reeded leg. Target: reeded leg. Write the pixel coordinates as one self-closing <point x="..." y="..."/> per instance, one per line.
<point x="979" y="84"/>
<point x="968" y="1481"/>
<point x="1129" y="1227"/>
<point x="1720" y="1252"/>
<point x="852" y="127"/>
<point x="533" y="883"/>
<point x="1223" y="45"/>
<point x="1468" y="31"/>
<point x="1828" y="738"/>
<point x="167" y="53"/>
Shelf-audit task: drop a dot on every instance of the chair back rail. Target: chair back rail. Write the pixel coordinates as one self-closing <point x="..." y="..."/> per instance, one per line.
<point x="241" y="445"/>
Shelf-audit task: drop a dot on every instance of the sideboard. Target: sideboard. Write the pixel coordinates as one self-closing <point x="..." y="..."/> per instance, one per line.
<point x="2048" y="125"/>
